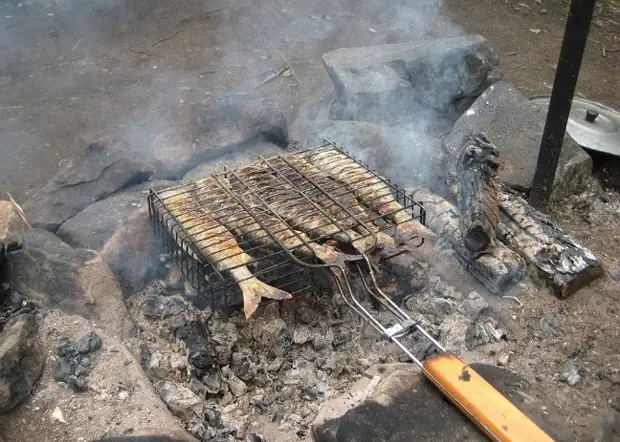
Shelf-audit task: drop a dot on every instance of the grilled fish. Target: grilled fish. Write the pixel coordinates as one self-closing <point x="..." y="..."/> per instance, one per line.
<point x="219" y="247"/>
<point x="291" y="205"/>
<point x="343" y="198"/>
<point x="238" y="219"/>
<point x="369" y="189"/>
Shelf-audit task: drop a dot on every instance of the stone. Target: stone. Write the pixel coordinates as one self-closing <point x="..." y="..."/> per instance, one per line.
<point x="132" y="253"/>
<point x="411" y="84"/>
<point x="21" y="360"/>
<point x="77" y="281"/>
<point x="407" y="158"/>
<point x="473" y="305"/>
<point x="385" y="405"/>
<point x="514" y="125"/>
<point x="181" y="401"/>
<point x="233" y="160"/>
<point x="228" y="124"/>
<point x="237" y="387"/>
<point x="94" y="226"/>
<point x="12" y="227"/>
<point x="103" y="168"/>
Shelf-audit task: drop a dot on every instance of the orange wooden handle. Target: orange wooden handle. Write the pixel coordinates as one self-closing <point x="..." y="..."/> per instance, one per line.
<point x="486" y="407"/>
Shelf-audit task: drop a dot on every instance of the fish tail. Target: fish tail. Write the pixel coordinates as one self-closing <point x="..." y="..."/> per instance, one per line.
<point x="254" y="289"/>
<point x="333" y="257"/>
<point x="411" y="229"/>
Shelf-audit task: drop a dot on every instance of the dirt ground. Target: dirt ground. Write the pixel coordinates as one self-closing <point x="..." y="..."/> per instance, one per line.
<point x="72" y="70"/>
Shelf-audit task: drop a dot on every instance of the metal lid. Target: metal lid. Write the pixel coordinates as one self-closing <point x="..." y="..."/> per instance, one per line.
<point x="593" y="125"/>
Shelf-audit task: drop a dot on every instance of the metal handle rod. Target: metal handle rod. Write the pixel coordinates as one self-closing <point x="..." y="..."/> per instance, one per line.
<point x="566" y="75"/>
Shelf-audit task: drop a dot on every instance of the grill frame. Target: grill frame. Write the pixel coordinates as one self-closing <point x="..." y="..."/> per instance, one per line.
<point x="214" y="287"/>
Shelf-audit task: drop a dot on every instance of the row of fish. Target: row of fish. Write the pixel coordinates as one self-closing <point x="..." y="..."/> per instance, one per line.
<point x="325" y="209"/>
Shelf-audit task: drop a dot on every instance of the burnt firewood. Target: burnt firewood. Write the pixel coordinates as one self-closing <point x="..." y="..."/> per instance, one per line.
<point x="556" y="258"/>
<point x="498" y="268"/>
<point x="477" y="197"/>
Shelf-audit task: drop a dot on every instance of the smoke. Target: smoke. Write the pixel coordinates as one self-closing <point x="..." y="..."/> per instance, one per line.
<point x="127" y="68"/>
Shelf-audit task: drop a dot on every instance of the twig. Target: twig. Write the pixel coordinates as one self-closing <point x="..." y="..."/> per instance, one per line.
<point x="167" y="38"/>
<point x="273" y="76"/>
<point x="11" y="107"/>
<point x="288" y="63"/>
<point x="603" y="51"/>
<point x="141" y="52"/>
<point x="515" y="299"/>
<point x="19" y="210"/>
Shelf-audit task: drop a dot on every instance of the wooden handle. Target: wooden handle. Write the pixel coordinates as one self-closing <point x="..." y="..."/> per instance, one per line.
<point x="486" y="407"/>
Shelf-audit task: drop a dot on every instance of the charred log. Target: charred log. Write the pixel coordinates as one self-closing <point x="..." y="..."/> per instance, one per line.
<point x="558" y="260"/>
<point x="477" y="197"/>
<point x="498" y="267"/>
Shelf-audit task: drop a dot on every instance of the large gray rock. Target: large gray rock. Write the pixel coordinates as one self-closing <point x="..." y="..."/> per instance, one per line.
<point x="132" y="252"/>
<point x="234" y="160"/>
<point x="99" y="171"/>
<point x="515" y="125"/>
<point x="53" y="274"/>
<point x="210" y="131"/>
<point x="407" y="158"/>
<point x="95" y="225"/>
<point x="11" y="226"/>
<point x="414" y="83"/>
<point x="395" y="403"/>
<point x="21" y="360"/>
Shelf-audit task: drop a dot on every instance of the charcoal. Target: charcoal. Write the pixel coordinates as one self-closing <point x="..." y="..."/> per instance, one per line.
<point x="89" y="343"/>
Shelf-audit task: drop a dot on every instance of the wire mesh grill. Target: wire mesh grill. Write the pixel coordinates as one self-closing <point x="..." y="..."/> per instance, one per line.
<point x="277" y="220"/>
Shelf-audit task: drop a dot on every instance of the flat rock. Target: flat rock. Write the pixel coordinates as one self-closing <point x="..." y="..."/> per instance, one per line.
<point x="386" y="406"/>
<point x="515" y="125"/>
<point x="11" y="226"/>
<point x="97" y="172"/>
<point x="399" y="155"/>
<point x="210" y="131"/>
<point x="93" y="226"/>
<point x="132" y="252"/>
<point x="21" y="360"/>
<point x="53" y="274"/>
<point x="411" y="84"/>
<point x="121" y="402"/>
<point x="234" y="160"/>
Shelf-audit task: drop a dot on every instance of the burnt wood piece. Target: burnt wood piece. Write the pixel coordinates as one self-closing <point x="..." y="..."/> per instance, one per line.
<point x="498" y="267"/>
<point x="477" y="197"/>
<point x="559" y="261"/>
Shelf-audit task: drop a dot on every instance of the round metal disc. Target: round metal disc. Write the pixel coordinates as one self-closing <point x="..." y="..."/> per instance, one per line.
<point x="600" y="131"/>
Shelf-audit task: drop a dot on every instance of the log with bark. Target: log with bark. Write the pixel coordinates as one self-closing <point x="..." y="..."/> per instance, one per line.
<point x="498" y="267"/>
<point x="477" y="196"/>
<point x="556" y="258"/>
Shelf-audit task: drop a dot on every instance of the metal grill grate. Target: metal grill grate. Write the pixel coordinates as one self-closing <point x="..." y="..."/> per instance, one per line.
<point x="277" y="220"/>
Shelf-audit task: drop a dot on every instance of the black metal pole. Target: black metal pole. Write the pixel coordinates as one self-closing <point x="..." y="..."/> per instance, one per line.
<point x="566" y="75"/>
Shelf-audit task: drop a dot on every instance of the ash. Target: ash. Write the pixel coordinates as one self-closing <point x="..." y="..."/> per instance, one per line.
<point x="226" y="379"/>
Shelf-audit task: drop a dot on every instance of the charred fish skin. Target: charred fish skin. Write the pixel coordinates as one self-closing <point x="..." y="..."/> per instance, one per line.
<point x="342" y="197"/>
<point x="370" y="190"/>
<point x="218" y="246"/>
